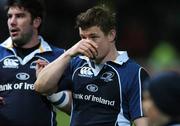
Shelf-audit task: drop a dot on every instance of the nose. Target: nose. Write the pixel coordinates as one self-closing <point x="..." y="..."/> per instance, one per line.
<point x="12" y="21"/>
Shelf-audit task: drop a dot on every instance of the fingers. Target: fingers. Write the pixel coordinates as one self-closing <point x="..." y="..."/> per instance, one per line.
<point x="85" y="47"/>
<point x="86" y="51"/>
<point x="89" y="48"/>
<point x="40" y="64"/>
<point x="2" y="102"/>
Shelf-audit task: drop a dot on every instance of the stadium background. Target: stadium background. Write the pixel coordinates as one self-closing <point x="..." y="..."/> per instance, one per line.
<point x="147" y="29"/>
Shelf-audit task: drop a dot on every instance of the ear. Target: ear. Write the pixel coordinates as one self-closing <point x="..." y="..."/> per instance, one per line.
<point x="37" y="22"/>
<point x="112" y="35"/>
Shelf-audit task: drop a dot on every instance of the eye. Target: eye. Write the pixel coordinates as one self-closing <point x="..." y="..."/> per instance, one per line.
<point x="94" y="38"/>
<point x="83" y="37"/>
<point x="9" y="16"/>
<point x="20" y="15"/>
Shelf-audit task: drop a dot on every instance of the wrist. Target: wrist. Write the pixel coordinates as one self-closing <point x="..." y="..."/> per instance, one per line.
<point x="69" y="53"/>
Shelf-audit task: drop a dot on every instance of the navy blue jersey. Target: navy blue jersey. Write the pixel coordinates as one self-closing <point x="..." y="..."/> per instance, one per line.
<point x="23" y="106"/>
<point x="106" y="94"/>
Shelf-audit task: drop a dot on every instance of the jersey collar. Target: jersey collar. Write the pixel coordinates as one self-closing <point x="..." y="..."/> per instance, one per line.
<point x="44" y="46"/>
<point x="121" y="58"/>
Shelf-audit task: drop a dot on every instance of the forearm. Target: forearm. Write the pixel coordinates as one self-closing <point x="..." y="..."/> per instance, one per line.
<point x="49" y="76"/>
<point x="143" y="121"/>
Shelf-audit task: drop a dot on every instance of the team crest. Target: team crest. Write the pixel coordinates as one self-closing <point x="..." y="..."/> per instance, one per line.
<point x="107" y="76"/>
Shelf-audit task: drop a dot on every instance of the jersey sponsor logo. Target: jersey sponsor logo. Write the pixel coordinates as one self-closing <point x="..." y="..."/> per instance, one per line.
<point x="10" y="63"/>
<point x="93" y="98"/>
<point x="86" y="72"/>
<point x="107" y="76"/>
<point x="16" y="86"/>
<point x="22" y="76"/>
<point x="92" y="87"/>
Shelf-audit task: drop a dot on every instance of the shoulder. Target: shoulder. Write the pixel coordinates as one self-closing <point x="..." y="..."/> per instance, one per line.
<point x="123" y="62"/>
<point x="48" y="47"/>
<point x="130" y="67"/>
<point x="4" y="52"/>
<point x="78" y="61"/>
<point x="138" y="68"/>
<point x="57" y="49"/>
<point x="136" y="71"/>
<point x="132" y="64"/>
<point x="1" y="47"/>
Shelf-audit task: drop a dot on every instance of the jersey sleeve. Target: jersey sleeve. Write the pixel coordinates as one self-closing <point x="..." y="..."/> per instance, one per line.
<point x="135" y="94"/>
<point x="59" y="99"/>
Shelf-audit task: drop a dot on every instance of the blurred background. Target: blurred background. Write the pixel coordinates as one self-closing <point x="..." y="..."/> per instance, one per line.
<point x="148" y="29"/>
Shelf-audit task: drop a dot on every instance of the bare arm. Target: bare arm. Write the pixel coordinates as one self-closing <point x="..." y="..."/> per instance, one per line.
<point x="143" y="121"/>
<point x="61" y="100"/>
<point x="49" y="76"/>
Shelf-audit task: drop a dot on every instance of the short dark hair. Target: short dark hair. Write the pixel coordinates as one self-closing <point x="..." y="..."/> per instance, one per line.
<point x="100" y="16"/>
<point x="35" y="7"/>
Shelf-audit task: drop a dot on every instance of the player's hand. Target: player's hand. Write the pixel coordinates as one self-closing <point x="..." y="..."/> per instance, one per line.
<point x="40" y="64"/>
<point x="85" y="47"/>
<point x="2" y="102"/>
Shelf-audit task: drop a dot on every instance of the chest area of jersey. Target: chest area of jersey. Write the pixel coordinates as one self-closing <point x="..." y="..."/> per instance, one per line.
<point x="15" y="75"/>
<point x="102" y="86"/>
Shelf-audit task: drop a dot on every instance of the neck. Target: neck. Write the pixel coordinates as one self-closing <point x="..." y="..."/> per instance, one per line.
<point x="23" y="52"/>
<point x="33" y="42"/>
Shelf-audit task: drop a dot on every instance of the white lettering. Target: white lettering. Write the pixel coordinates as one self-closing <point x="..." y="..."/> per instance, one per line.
<point x="94" y="99"/>
<point x="16" y="86"/>
<point x="28" y="86"/>
<point x="102" y="101"/>
<point x="78" y="96"/>
<point x="87" y="97"/>
<point x="5" y="87"/>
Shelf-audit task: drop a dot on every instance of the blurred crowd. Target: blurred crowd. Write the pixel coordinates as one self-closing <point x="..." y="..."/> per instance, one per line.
<point x="148" y="30"/>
